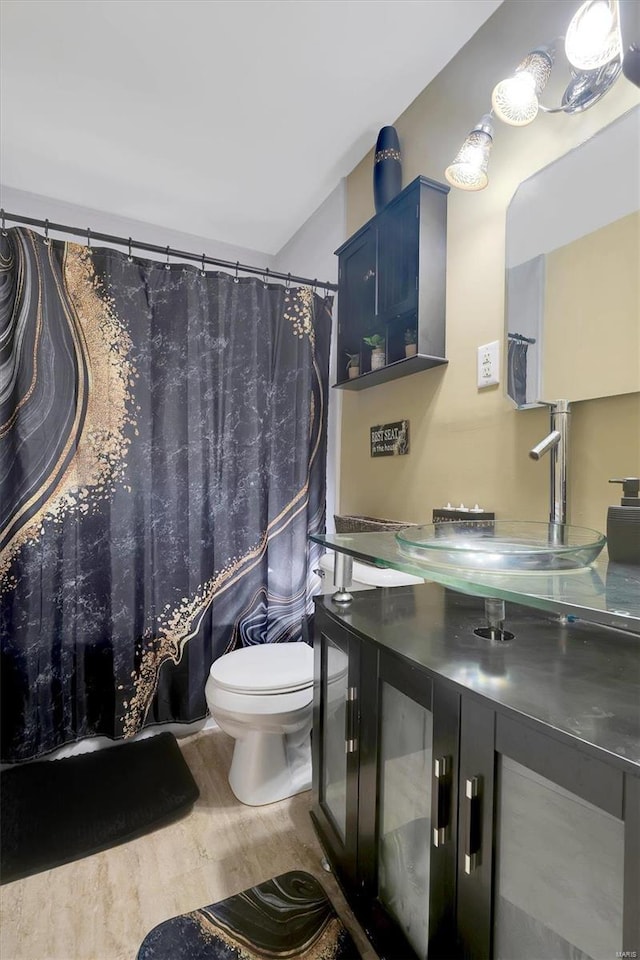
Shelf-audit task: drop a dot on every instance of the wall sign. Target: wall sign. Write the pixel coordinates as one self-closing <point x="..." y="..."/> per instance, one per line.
<point x="390" y="439"/>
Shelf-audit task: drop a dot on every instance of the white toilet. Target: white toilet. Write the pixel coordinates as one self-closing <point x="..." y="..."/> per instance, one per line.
<point x="365" y="576"/>
<point x="263" y="697"/>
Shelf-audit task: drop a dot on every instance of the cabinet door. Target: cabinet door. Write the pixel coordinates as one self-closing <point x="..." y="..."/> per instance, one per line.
<point x="409" y="736"/>
<point x="357" y="297"/>
<point x="552" y="820"/>
<point x="335" y="746"/>
<point x="398" y="229"/>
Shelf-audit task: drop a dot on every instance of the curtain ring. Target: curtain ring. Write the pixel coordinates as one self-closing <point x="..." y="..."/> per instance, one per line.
<point x="265" y="278"/>
<point x="202" y="272"/>
<point x="130" y="257"/>
<point x="236" y="279"/>
<point x="288" y="283"/>
<point x="46" y="233"/>
<point x="3" y="228"/>
<point x="88" y="238"/>
<point x="167" y="265"/>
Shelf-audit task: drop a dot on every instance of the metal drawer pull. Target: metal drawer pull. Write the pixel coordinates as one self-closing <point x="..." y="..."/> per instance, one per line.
<point x="473" y="839"/>
<point x="442" y="773"/>
<point x="351" y="721"/>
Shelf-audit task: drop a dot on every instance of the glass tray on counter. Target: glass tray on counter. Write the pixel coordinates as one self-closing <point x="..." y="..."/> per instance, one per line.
<point x="602" y="592"/>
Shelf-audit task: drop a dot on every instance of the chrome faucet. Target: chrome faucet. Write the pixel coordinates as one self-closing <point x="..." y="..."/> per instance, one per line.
<point x="557" y="444"/>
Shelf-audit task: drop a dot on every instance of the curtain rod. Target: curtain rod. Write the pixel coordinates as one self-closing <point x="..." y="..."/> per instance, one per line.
<point x="89" y="235"/>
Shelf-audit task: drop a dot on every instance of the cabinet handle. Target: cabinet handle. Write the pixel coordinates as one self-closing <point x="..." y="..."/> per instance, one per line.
<point x="473" y="839"/>
<point x="442" y="775"/>
<point x="351" y="721"/>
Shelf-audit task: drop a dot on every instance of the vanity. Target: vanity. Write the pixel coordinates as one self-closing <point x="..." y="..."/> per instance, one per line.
<point x="478" y="797"/>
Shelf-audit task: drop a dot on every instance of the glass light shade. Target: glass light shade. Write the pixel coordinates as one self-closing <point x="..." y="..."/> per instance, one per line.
<point x="593" y="37"/>
<point x="515" y="101"/>
<point x="469" y="168"/>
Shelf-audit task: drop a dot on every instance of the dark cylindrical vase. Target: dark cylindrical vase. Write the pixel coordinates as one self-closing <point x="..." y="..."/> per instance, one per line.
<point x="631" y="64"/>
<point x="387" y="168"/>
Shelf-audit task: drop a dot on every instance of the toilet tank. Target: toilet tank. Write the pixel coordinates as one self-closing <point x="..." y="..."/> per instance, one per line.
<point x="365" y="576"/>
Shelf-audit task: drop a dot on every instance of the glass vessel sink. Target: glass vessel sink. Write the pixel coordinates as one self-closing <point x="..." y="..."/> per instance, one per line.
<point x="502" y="546"/>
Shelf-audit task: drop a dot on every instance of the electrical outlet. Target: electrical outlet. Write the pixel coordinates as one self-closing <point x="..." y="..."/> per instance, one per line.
<point x="489" y="364"/>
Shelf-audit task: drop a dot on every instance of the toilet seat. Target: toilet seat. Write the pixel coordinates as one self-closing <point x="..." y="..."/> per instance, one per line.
<point x="270" y="669"/>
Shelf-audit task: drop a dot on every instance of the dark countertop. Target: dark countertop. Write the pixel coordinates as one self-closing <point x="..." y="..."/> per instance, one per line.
<point x="580" y="681"/>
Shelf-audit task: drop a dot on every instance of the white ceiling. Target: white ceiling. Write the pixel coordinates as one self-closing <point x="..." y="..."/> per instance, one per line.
<point x="230" y="120"/>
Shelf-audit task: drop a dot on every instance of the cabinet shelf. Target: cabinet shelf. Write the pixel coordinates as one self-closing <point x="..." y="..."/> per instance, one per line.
<point x="400" y="368"/>
<point x="391" y="283"/>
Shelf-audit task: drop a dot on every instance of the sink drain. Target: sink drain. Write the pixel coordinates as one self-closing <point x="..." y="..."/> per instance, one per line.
<point x="494" y="634"/>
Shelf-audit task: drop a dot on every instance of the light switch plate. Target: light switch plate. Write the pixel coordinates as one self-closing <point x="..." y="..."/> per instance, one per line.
<point x="489" y="364"/>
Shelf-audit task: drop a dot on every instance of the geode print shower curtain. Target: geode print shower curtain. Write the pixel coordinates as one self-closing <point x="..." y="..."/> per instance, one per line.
<point x="162" y="462"/>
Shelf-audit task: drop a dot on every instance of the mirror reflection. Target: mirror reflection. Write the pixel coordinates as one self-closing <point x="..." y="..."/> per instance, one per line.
<point x="573" y="268"/>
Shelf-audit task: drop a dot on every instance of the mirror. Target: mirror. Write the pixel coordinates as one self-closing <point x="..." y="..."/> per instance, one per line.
<point x="573" y="273"/>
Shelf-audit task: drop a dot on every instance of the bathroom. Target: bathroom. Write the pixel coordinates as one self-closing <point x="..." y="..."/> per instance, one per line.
<point x="467" y="445"/>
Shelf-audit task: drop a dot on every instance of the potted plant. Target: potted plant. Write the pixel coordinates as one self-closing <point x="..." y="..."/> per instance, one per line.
<point x="410" y="348"/>
<point x="353" y="365"/>
<point x="376" y="342"/>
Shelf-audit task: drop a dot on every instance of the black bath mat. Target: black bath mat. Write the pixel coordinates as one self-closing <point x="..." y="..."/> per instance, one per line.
<point x="56" y="811"/>
<point x="289" y="916"/>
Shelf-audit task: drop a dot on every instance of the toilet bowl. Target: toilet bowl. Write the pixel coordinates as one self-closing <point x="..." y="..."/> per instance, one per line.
<point x="262" y="696"/>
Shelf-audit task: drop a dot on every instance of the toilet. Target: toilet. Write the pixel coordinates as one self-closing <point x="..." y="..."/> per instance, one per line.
<point x="262" y="696"/>
<point x="365" y="576"/>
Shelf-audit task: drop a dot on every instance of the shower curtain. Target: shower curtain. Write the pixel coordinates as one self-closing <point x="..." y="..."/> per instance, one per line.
<point x="162" y="462"/>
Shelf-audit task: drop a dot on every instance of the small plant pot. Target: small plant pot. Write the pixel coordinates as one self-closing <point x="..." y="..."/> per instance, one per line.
<point x="410" y="349"/>
<point x="378" y="359"/>
<point x="353" y="372"/>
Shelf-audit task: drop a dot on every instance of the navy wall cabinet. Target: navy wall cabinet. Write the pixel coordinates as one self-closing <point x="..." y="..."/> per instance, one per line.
<point x="392" y="279"/>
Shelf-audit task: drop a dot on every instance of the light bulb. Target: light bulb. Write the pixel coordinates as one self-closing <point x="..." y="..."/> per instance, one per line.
<point x="593" y="37"/>
<point x="469" y="168"/>
<point x="515" y="101"/>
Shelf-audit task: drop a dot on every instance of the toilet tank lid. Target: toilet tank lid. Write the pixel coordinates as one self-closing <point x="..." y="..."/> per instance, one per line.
<point x="265" y="668"/>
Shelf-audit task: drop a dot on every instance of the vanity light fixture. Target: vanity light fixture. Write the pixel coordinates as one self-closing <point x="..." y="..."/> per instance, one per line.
<point x="515" y="101"/>
<point x="593" y="37"/>
<point x="594" y="51"/>
<point x="469" y="168"/>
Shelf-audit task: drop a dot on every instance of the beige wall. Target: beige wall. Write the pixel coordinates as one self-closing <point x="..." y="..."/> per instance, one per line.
<point x="592" y="307"/>
<point x="470" y="445"/>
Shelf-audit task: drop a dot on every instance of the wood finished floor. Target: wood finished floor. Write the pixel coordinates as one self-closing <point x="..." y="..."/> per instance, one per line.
<point x="101" y="908"/>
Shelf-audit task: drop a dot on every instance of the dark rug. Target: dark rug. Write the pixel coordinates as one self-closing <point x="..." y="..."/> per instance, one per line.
<point x="289" y="916"/>
<point x="56" y="811"/>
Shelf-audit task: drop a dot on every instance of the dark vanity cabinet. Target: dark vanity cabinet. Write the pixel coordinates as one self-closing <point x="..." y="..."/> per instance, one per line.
<point x="549" y="845"/>
<point x="391" y="282"/>
<point x="459" y="817"/>
<point x="385" y="783"/>
<point x="336" y="729"/>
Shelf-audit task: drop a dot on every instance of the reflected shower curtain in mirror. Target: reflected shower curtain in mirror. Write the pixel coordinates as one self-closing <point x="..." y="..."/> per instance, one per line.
<point x="162" y="462"/>
<point x="517" y="371"/>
